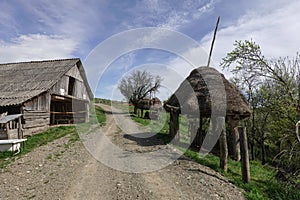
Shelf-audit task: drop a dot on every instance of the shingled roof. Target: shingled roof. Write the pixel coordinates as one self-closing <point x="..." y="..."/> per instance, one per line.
<point x="22" y="81"/>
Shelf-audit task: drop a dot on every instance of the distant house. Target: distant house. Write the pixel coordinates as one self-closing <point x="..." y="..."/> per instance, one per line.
<point x="45" y="92"/>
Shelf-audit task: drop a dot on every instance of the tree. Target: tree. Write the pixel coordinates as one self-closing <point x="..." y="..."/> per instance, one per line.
<point x="273" y="94"/>
<point x="138" y="85"/>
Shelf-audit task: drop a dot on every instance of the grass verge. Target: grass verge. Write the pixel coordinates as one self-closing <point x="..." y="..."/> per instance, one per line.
<point x="263" y="183"/>
<point x="50" y="135"/>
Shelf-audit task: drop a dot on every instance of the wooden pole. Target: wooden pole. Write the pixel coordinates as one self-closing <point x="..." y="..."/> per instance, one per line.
<point x="176" y="127"/>
<point x="244" y="154"/>
<point x="213" y="42"/>
<point x="234" y="140"/>
<point x="223" y="151"/>
<point x="19" y="128"/>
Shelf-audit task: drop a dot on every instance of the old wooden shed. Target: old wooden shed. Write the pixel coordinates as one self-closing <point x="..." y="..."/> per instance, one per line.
<point x="45" y="92"/>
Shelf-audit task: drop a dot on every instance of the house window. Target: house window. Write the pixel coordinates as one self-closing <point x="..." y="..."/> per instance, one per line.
<point x="71" y="86"/>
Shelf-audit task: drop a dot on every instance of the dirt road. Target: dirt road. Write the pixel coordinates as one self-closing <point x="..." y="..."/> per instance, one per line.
<point x="60" y="171"/>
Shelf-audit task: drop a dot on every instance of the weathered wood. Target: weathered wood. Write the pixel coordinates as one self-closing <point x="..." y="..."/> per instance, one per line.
<point x="213" y="41"/>
<point x="37" y="123"/>
<point x="223" y="151"/>
<point x="68" y="113"/>
<point x="34" y="111"/>
<point x="174" y="126"/>
<point x="193" y="130"/>
<point x="20" y="133"/>
<point x="244" y="154"/>
<point x="234" y="140"/>
<point x="36" y="115"/>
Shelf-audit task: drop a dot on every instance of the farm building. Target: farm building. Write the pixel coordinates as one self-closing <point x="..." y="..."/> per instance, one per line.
<point x="45" y="92"/>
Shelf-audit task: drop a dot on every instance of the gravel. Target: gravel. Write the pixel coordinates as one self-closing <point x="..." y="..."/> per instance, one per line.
<point x="65" y="170"/>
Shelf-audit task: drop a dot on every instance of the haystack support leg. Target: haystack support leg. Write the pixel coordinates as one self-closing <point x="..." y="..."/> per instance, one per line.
<point x="244" y="154"/>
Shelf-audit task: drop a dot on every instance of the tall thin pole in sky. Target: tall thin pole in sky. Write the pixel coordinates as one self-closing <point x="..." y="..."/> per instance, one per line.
<point x="213" y="42"/>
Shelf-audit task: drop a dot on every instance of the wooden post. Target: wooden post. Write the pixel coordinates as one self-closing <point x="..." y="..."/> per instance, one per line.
<point x="218" y="126"/>
<point x="19" y="128"/>
<point x="193" y="131"/>
<point x="244" y="154"/>
<point x="223" y="151"/>
<point x="234" y="143"/>
<point x="176" y="127"/>
<point x="171" y="125"/>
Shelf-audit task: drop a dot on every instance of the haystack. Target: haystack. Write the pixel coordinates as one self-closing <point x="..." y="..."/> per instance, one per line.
<point x="206" y="93"/>
<point x="206" y="87"/>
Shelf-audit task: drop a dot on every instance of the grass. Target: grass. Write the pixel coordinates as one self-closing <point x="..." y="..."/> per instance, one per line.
<point x="50" y="135"/>
<point x="263" y="183"/>
<point x="39" y="140"/>
<point x="100" y="114"/>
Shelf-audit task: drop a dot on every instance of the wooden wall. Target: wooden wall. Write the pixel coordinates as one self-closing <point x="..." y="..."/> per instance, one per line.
<point x="62" y="86"/>
<point x="36" y="114"/>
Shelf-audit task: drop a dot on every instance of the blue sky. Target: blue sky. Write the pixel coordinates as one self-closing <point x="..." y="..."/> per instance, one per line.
<point x="51" y="29"/>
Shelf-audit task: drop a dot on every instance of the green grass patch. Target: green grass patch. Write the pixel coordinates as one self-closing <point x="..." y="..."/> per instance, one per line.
<point x="100" y="114"/>
<point x="142" y="121"/>
<point x="263" y="184"/>
<point x="52" y="134"/>
<point x="39" y="140"/>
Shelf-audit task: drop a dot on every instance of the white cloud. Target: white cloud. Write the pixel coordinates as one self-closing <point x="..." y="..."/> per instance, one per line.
<point x="36" y="47"/>
<point x="275" y="29"/>
<point x="168" y="14"/>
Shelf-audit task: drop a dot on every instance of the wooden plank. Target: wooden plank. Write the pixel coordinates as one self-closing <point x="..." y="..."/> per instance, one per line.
<point x="37" y="123"/>
<point x="34" y="111"/>
<point x="32" y="117"/>
<point x="68" y="113"/>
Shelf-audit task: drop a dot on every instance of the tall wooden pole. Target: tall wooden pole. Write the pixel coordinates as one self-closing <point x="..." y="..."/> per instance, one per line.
<point x="213" y="42"/>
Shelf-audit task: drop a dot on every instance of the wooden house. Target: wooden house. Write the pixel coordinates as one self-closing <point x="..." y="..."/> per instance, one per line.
<point x="45" y="92"/>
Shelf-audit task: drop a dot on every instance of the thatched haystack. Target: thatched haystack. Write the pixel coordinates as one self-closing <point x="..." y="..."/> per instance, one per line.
<point x="147" y="104"/>
<point x="203" y="85"/>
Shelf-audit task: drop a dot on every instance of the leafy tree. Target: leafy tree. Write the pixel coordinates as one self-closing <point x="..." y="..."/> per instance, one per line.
<point x="273" y="94"/>
<point x="138" y="85"/>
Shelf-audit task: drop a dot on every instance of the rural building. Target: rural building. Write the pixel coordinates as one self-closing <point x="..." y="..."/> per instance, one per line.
<point x="45" y="92"/>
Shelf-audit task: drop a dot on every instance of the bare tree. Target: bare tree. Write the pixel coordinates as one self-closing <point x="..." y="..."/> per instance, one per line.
<point x="138" y="85"/>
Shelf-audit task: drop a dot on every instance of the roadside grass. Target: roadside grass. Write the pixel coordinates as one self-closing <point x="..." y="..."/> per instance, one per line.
<point x="263" y="183"/>
<point x="50" y="135"/>
<point x="100" y="114"/>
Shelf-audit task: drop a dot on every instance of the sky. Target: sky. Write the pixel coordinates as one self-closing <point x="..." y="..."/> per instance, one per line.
<point x="166" y="38"/>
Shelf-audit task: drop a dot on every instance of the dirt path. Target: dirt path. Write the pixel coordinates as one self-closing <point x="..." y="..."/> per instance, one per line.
<point x="60" y="171"/>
